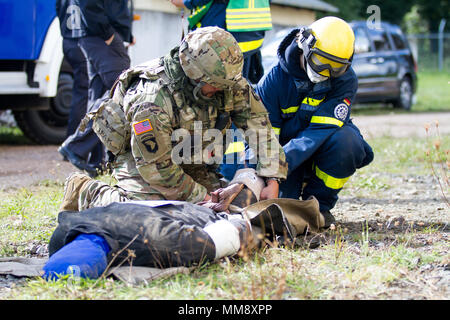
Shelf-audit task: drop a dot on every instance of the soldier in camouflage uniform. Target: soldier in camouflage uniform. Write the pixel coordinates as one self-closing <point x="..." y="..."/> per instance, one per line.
<point x="196" y="86"/>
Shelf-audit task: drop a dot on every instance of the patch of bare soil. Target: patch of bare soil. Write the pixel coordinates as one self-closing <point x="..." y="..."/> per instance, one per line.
<point x="402" y="125"/>
<point x="22" y="166"/>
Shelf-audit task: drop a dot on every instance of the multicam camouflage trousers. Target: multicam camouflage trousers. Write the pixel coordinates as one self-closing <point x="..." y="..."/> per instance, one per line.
<point x="98" y="194"/>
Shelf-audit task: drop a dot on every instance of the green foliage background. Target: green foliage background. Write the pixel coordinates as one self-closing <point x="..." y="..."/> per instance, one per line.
<point x="430" y="11"/>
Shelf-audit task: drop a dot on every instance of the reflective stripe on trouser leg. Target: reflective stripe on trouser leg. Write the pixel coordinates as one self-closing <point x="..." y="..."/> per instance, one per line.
<point x="335" y="162"/>
<point x="330" y="181"/>
<point x="324" y="188"/>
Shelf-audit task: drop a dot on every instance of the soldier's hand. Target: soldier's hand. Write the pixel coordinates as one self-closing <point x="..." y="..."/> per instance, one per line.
<point x="222" y="198"/>
<point x="270" y="191"/>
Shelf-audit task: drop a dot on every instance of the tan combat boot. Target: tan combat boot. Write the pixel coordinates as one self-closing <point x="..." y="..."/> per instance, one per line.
<point x="75" y="183"/>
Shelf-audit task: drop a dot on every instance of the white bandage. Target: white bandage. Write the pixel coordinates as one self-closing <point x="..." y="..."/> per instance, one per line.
<point x="225" y="237"/>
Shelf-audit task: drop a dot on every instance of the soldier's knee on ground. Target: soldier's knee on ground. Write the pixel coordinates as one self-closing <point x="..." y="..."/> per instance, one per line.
<point x="74" y="185"/>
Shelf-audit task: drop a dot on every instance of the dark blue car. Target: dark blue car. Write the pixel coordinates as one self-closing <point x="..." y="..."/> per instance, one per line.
<point x="383" y="63"/>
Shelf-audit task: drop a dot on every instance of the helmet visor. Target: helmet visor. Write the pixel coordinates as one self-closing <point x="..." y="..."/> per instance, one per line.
<point x="327" y="65"/>
<point x="321" y="62"/>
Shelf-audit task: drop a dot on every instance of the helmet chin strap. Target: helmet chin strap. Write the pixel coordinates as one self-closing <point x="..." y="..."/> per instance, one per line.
<point x="198" y="90"/>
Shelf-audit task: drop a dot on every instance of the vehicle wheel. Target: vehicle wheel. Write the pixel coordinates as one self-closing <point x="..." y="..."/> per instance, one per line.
<point x="49" y="126"/>
<point x="404" y="100"/>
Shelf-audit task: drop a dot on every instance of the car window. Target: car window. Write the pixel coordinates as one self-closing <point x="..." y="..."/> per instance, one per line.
<point x="398" y="38"/>
<point x="380" y="39"/>
<point x="362" y="42"/>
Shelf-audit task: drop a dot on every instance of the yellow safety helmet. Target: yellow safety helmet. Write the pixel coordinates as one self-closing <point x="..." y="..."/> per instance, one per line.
<point x="328" y="46"/>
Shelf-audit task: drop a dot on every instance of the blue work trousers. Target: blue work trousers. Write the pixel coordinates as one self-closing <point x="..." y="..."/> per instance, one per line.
<point x="322" y="175"/>
<point x="105" y="64"/>
<point x="78" y="62"/>
<point x="325" y="173"/>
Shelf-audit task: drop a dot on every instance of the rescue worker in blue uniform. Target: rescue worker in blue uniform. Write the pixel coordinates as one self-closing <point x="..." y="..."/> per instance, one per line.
<point x="248" y="32"/>
<point x="309" y="94"/>
<point x="71" y="33"/>
<point x="106" y="25"/>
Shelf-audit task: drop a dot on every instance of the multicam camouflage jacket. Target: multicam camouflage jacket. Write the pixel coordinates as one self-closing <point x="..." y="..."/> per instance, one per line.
<point x="153" y="104"/>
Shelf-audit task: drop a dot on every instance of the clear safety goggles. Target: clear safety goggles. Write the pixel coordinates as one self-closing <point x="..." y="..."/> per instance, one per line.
<point x="319" y="60"/>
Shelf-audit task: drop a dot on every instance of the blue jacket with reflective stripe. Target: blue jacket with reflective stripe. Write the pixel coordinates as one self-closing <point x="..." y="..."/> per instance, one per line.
<point x="305" y="113"/>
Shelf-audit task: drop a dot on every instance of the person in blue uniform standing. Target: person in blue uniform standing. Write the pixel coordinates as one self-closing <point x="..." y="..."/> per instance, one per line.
<point x="309" y="94"/>
<point x="106" y="25"/>
<point x="71" y="32"/>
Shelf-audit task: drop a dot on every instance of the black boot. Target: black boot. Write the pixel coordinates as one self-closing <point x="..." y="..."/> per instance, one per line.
<point x="329" y="218"/>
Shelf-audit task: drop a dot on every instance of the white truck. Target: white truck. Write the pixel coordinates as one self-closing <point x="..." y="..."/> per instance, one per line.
<point x="35" y="80"/>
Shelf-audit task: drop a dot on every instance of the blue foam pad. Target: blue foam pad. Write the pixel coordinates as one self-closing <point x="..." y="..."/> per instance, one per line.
<point x="85" y="256"/>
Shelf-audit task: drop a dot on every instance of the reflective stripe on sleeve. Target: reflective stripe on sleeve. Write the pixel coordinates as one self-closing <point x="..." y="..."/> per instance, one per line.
<point x="327" y="120"/>
<point x="312" y="102"/>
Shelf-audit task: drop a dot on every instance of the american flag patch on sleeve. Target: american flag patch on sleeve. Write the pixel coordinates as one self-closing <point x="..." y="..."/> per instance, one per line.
<point x="142" y="127"/>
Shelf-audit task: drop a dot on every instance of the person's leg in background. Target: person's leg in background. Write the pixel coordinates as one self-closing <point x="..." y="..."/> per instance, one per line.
<point x="105" y="63"/>
<point x="107" y="71"/>
<point x="78" y="62"/>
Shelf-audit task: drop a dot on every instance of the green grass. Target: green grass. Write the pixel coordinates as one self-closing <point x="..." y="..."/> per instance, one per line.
<point x="396" y="155"/>
<point x="13" y="136"/>
<point x="433" y="92"/>
<point x="28" y="216"/>
<point x="399" y="157"/>
<point x="276" y="273"/>
<point x="347" y="265"/>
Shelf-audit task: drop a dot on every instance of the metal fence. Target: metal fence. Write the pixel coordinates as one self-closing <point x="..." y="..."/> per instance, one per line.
<point x="431" y="51"/>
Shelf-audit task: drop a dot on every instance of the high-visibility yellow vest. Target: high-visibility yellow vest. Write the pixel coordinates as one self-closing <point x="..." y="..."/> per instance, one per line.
<point x="248" y="15"/>
<point x="241" y="15"/>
